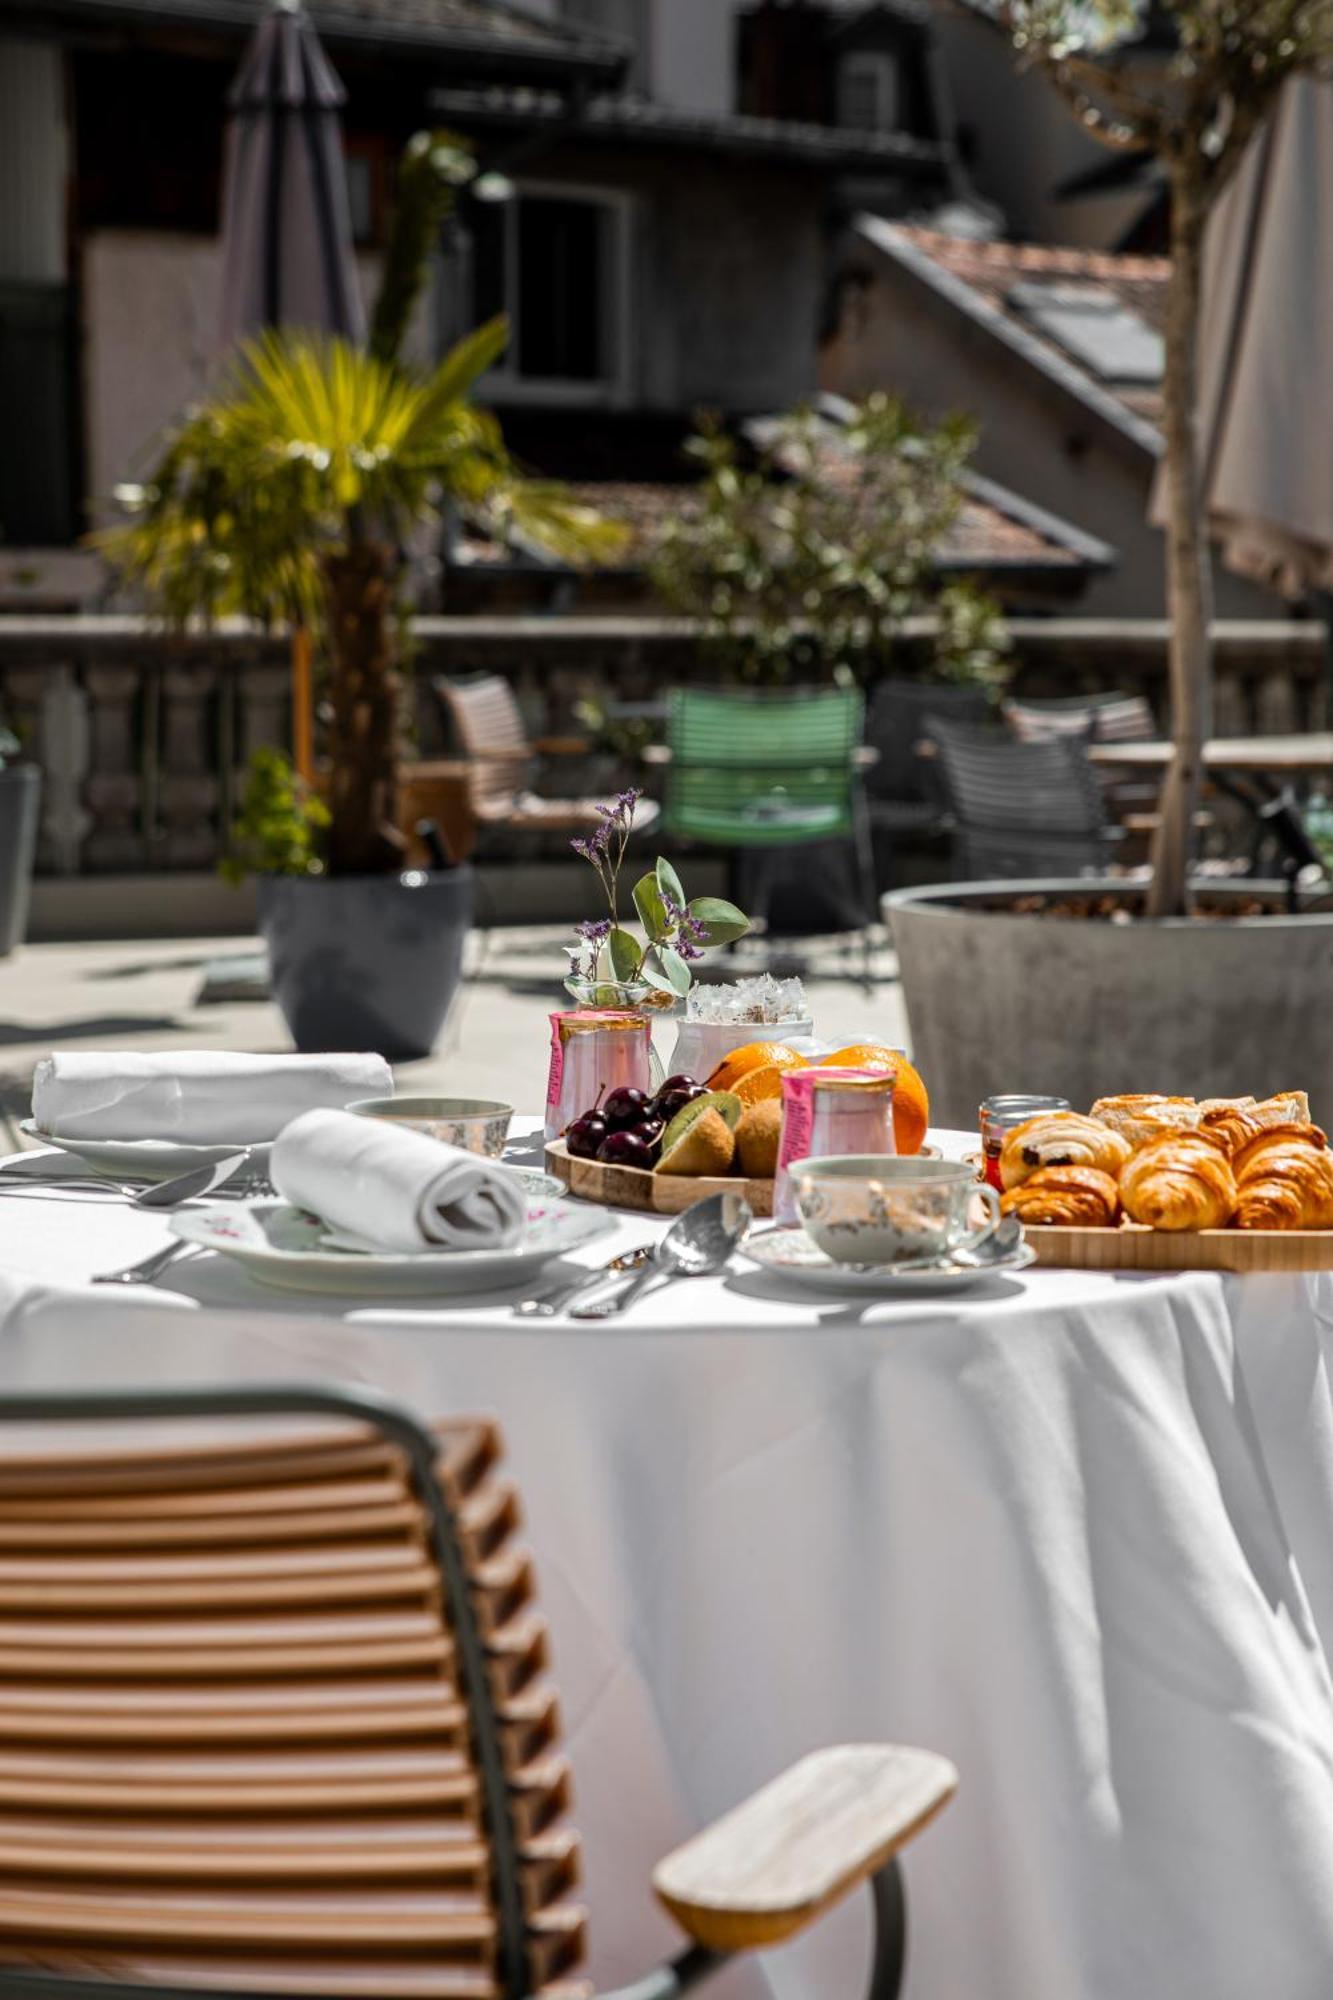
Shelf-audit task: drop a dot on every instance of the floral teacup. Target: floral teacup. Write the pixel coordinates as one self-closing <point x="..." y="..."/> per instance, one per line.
<point x="477" y="1124"/>
<point x="868" y="1208"/>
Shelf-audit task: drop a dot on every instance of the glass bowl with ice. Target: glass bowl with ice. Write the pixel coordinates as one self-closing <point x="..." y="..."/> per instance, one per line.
<point x="720" y="1017"/>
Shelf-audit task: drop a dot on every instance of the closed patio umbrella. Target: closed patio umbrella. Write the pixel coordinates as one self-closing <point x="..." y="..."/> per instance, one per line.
<point x="1266" y="360"/>
<point x="287" y="257"/>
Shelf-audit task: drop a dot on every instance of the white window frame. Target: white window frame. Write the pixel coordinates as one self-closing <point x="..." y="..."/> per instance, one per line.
<point x="886" y="73"/>
<point x="504" y="384"/>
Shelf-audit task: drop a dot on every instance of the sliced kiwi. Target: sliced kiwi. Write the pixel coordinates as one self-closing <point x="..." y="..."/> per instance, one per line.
<point x="707" y="1146"/>
<point x="724" y="1102"/>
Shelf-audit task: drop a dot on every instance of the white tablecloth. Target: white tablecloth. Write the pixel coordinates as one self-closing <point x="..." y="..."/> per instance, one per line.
<point x="1074" y="1531"/>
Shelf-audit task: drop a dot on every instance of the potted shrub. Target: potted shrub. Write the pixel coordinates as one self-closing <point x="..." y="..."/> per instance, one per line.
<point x="20" y="808"/>
<point x="289" y="496"/>
<point x="1082" y="988"/>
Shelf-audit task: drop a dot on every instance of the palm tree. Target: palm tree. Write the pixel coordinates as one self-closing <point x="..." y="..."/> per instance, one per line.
<point x="289" y="494"/>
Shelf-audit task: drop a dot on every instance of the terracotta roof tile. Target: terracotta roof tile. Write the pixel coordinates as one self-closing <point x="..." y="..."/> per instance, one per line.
<point x="994" y="269"/>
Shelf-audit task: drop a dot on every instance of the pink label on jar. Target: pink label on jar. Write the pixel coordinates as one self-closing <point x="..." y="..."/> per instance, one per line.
<point x="798" y="1139"/>
<point x="557" y="1065"/>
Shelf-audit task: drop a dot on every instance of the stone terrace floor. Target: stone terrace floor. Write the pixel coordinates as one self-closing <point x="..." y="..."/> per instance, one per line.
<point x="133" y="995"/>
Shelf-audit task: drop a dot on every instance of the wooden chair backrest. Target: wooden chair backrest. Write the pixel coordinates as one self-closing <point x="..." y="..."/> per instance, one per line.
<point x="238" y="1745"/>
<point x="489" y="727"/>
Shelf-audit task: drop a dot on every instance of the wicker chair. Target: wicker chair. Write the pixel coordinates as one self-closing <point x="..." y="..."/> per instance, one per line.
<point x="1020" y="808"/>
<point x="275" y="1719"/>
<point x="501" y="759"/>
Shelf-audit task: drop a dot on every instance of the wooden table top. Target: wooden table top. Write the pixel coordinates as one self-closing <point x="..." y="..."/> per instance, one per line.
<point x="1292" y="754"/>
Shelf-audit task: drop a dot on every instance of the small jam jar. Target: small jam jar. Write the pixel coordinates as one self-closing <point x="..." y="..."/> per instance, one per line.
<point x="998" y="1117"/>
<point x="594" y="1052"/>
<point x="830" y="1111"/>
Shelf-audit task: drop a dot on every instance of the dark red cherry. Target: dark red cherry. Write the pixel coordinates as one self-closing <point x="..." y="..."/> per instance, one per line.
<point x="625" y="1107"/>
<point x="675" y="1095"/>
<point x="650" y="1131"/>
<point x="625" y="1149"/>
<point x="585" y="1135"/>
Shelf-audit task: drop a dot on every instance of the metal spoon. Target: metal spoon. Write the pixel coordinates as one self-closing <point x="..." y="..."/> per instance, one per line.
<point x="697" y="1244"/>
<point x="549" y="1303"/>
<point x="187" y="1187"/>
<point x="150" y="1268"/>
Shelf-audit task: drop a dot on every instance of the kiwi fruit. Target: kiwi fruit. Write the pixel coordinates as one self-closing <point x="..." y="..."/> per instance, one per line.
<point x="706" y="1146"/>
<point x="724" y="1102"/>
<point x="757" y="1137"/>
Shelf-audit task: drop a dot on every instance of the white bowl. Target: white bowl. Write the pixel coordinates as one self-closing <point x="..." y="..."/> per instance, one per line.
<point x="702" y="1045"/>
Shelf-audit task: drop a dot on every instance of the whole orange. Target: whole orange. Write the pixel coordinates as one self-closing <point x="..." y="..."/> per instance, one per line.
<point x="911" y="1105"/>
<point x="754" y="1055"/>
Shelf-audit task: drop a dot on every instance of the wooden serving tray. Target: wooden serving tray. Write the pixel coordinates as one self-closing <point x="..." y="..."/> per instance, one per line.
<point x="652" y="1194"/>
<point x="1133" y="1248"/>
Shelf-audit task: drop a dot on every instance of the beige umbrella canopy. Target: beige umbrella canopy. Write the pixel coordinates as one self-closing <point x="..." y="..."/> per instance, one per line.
<point x="1266" y="355"/>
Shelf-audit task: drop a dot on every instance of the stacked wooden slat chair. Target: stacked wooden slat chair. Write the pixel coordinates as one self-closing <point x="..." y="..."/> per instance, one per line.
<point x="275" y="1719"/>
<point x="502" y="758"/>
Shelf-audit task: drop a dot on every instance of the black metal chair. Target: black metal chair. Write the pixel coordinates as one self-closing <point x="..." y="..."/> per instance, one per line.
<point x="904" y="797"/>
<point x="1019" y="808"/>
<point x="275" y="1719"/>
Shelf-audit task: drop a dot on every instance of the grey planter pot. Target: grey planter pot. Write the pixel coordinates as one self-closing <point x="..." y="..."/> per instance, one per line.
<point x="366" y="961"/>
<point x="1000" y="1001"/>
<point x="20" y="812"/>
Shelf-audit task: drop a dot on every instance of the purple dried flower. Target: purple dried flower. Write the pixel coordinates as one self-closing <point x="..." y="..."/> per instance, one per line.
<point x="595" y="933"/>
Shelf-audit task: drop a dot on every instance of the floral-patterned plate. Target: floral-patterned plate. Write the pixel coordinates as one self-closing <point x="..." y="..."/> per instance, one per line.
<point x="790" y="1253"/>
<point x="284" y="1246"/>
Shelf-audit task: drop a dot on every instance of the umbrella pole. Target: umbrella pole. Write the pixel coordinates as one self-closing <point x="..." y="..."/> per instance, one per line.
<point x="1324" y="606"/>
<point x="303" y="735"/>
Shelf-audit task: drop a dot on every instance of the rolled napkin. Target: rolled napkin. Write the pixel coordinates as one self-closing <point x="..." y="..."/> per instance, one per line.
<point x="383" y="1187"/>
<point x="202" y="1097"/>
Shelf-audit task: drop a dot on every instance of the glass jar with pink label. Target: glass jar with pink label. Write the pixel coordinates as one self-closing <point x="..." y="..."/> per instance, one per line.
<point x="593" y="1052"/>
<point x="827" y="1112"/>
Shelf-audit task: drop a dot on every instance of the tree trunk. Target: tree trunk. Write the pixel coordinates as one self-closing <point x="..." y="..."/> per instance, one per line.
<point x="1189" y="559"/>
<point x="364" y="697"/>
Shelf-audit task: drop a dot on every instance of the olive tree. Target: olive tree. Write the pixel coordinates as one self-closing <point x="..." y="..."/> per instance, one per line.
<point x="1197" y="107"/>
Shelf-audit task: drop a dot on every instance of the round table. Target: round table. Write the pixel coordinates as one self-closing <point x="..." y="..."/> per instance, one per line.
<point x="1075" y="1531"/>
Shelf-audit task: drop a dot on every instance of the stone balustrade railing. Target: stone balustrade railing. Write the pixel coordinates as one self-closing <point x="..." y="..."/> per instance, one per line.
<point x="144" y="738"/>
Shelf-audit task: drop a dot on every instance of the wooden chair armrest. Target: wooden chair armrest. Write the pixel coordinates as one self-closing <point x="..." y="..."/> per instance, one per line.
<point x="562" y="746"/>
<point x="770" y="1867"/>
<point x="656" y="753"/>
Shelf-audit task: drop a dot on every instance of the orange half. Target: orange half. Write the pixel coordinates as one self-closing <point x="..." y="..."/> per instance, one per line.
<point x="754" y="1056"/>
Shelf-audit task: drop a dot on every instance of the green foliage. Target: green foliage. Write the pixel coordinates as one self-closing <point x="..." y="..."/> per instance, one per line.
<point x="809" y="559"/>
<point x="434" y="166"/>
<point x="609" y="959"/>
<point x="307" y="444"/>
<point x="1201" y="107"/>
<point x="280" y="827"/>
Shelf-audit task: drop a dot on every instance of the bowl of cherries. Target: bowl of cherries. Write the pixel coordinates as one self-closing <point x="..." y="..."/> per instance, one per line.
<point x="627" y="1130"/>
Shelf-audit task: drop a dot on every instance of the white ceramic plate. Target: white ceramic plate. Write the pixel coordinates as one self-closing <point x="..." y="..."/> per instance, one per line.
<point x="145" y="1159"/>
<point x="790" y="1253"/>
<point x="284" y="1246"/>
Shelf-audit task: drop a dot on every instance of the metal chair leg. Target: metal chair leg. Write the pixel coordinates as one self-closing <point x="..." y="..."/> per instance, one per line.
<point x="890" y="1903"/>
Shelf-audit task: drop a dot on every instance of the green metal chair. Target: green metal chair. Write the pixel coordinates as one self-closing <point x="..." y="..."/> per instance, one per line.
<point x="762" y="774"/>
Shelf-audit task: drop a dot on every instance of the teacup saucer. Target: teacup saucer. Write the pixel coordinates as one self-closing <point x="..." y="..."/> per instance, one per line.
<point x="790" y="1253"/>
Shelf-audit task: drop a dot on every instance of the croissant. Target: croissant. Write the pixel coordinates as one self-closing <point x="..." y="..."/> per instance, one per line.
<point x="1075" y="1197"/>
<point x="1237" y="1121"/>
<point x="1284" y="1179"/>
<point x="1180" y="1180"/>
<point x="1060" y="1139"/>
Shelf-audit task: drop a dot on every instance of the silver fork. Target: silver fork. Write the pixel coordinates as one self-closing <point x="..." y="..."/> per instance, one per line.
<point x="151" y="1267"/>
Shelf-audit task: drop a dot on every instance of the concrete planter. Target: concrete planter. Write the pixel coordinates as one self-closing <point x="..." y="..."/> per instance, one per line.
<point x="20" y="810"/>
<point x="998" y="1000"/>
<point x="366" y="961"/>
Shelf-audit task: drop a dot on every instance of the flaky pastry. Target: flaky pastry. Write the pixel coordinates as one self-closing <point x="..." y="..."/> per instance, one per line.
<point x="1147" y="1115"/>
<point x="1237" y="1121"/>
<point x="1284" y="1179"/>
<point x="1179" y="1180"/>
<point x="1068" y="1197"/>
<point x="1060" y="1139"/>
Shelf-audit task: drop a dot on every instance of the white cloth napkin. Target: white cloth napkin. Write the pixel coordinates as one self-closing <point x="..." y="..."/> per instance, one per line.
<point x="381" y="1187"/>
<point x="202" y="1097"/>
